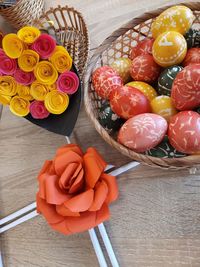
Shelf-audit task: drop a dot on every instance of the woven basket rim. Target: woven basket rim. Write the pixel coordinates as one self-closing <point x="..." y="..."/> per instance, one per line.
<point x="167" y="163"/>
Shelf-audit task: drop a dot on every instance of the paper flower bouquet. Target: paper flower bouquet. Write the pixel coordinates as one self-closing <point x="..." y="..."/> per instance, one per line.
<point x="37" y="77"/>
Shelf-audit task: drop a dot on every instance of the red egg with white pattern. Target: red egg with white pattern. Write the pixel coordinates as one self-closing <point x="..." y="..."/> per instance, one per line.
<point x="143" y="132"/>
<point x="127" y="101"/>
<point x="105" y="79"/>
<point x="184" y="132"/>
<point x="142" y="48"/>
<point x="192" y="56"/>
<point x="185" y="91"/>
<point x="145" y="69"/>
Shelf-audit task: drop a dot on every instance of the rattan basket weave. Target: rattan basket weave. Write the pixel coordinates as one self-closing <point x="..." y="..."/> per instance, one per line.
<point x="23" y="12"/>
<point x="119" y="45"/>
<point x="70" y="29"/>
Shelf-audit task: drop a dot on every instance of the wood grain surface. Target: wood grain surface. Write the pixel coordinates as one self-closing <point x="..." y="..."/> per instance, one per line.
<point x="155" y="222"/>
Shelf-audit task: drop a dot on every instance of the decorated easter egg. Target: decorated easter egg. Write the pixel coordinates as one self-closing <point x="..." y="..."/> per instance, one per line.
<point x="122" y="66"/>
<point x="192" y="56"/>
<point x="169" y="49"/>
<point x="145" y="88"/>
<point x="142" y="132"/>
<point x="164" y="150"/>
<point x="142" y="48"/>
<point x="176" y="18"/>
<point x="163" y="106"/>
<point x="166" y="79"/>
<point x="127" y="101"/>
<point x="193" y="38"/>
<point x="145" y="69"/>
<point x="108" y="119"/>
<point x="184" y="132"/>
<point x="185" y="91"/>
<point x="105" y="79"/>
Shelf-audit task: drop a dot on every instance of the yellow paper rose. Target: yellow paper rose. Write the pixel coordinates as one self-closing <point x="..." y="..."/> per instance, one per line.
<point x="12" y="45"/>
<point x="24" y="92"/>
<point x="5" y="99"/>
<point x="8" y="86"/>
<point x="28" y="34"/>
<point x="19" y="106"/>
<point x="61" y="59"/>
<point x="56" y="102"/>
<point x="52" y="87"/>
<point x="28" y="60"/>
<point x="38" y="90"/>
<point x="46" y="73"/>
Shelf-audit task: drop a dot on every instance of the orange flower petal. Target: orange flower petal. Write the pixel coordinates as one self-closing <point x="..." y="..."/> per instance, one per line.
<point x="61" y="227"/>
<point x="62" y="210"/>
<point x="54" y="195"/>
<point x="46" y="166"/>
<point x="102" y="215"/>
<point x="84" y="222"/>
<point x="42" y="191"/>
<point x="70" y="147"/>
<point x="94" y="166"/>
<point x="112" y="187"/>
<point x="67" y="175"/>
<point x="100" y="194"/>
<point x="81" y="202"/>
<point x="61" y="161"/>
<point x="78" y="183"/>
<point x="48" y="211"/>
<point x="93" y="151"/>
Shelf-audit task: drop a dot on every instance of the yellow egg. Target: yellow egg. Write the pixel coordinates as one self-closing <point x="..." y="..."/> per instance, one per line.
<point x="169" y="49"/>
<point x="163" y="106"/>
<point x="176" y="18"/>
<point x="122" y="66"/>
<point x="145" y="88"/>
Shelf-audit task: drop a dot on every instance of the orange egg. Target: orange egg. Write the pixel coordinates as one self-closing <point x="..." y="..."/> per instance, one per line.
<point x="169" y="49"/>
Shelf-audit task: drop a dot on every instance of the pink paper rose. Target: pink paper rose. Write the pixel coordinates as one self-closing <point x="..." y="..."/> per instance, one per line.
<point x="38" y="110"/>
<point x="7" y="65"/>
<point x="68" y="82"/>
<point x="44" y="45"/>
<point x="23" y="77"/>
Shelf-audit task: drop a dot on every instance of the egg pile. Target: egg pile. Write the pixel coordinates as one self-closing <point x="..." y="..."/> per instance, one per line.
<point x="152" y="98"/>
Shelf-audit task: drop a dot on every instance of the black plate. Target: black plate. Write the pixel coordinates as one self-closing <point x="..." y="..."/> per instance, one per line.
<point x="64" y="123"/>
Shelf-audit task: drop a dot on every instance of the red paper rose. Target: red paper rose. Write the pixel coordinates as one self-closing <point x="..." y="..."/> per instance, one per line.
<point x="7" y="65"/>
<point x="74" y="192"/>
<point x="68" y="82"/>
<point x="44" y="45"/>
<point x="23" y="77"/>
<point x="38" y="110"/>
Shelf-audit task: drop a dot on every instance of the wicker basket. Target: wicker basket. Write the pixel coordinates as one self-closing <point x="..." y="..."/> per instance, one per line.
<point x="119" y="45"/>
<point x="71" y="30"/>
<point x="23" y="12"/>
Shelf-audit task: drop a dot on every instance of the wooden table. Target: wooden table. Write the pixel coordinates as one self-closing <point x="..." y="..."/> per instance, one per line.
<point x="155" y="222"/>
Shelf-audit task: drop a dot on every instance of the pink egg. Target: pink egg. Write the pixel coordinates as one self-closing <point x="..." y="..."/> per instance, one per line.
<point x="185" y="91"/>
<point x="143" y="132"/>
<point x="105" y="79"/>
<point x="184" y="132"/>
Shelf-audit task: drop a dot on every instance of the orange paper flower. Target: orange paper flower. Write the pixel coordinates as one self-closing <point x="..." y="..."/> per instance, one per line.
<point x="74" y="192"/>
